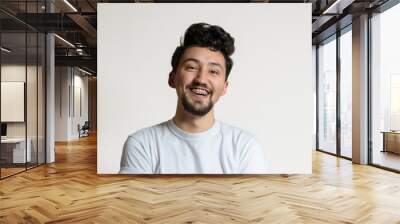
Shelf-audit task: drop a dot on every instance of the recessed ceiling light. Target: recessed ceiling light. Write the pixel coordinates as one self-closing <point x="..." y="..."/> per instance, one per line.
<point x="64" y="40"/>
<point x="5" y="50"/>
<point x="84" y="71"/>
<point x="337" y="7"/>
<point x="70" y="5"/>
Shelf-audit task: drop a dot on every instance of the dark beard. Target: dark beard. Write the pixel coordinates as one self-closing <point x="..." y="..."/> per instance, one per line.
<point x="196" y="111"/>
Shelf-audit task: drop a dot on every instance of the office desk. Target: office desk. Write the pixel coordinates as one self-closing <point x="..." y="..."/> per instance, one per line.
<point x="391" y="141"/>
<point x="13" y="150"/>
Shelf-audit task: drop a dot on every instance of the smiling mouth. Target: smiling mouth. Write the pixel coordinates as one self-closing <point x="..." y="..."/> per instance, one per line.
<point x="200" y="91"/>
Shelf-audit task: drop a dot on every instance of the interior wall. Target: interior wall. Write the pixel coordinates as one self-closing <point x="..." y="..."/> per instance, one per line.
<point x="17" y="73"/>
<point x="314" y="84"/>
<point x="71" y="102"/>
<point x="80" y="110"/>
<point x="62" y="80"/>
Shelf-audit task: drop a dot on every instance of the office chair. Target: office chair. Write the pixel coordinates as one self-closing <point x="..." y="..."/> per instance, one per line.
<point x="84" y="130"/>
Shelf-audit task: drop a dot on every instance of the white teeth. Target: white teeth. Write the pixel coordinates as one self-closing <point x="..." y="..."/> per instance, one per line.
<point x="200" y="91"/>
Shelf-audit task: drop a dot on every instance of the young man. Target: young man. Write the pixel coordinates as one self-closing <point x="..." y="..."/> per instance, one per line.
<point x="193" y="142"/>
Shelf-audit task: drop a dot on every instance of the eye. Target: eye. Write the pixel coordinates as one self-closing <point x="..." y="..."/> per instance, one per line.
<point x="213" y="71"/>
<point x="190" y="67"/>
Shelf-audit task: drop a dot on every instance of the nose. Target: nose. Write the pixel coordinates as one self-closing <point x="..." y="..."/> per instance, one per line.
<point x="201" y="75"/>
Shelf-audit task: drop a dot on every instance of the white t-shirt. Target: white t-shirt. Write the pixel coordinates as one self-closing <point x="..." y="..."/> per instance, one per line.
<point x="166" y="149"/>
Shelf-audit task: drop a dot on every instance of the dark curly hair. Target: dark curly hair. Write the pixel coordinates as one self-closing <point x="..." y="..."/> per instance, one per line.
<point x="206" y="35"/>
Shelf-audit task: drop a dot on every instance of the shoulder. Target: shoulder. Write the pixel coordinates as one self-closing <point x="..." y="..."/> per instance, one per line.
<point x="238" y="135"/>
<point x="139" y="154"/>
<point x="140" y="145"/>
<point x="147" y="133"/>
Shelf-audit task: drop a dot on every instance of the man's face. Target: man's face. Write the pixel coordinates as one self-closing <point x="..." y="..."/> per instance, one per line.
<point x="199" y="79"/>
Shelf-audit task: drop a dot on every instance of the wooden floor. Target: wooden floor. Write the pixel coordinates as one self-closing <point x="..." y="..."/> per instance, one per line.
<point x="387" y="159"/>
<point x="5" y="172"/>
<point x="70" y="191"/>
<point x="10" y="171"/>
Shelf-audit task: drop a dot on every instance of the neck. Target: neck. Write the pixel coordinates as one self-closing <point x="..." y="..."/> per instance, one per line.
<point x="191" y="123"/>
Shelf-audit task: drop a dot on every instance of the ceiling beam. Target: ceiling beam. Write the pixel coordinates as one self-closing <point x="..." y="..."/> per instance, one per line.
<point x="84" y="61"/>
<point x="84" y="24"/>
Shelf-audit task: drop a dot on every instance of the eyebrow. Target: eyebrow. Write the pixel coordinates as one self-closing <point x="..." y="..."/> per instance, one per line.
<point x="197" y="61"/>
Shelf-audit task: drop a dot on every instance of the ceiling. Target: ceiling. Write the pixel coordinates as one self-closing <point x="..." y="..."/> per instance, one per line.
<point x="76" y="21"/>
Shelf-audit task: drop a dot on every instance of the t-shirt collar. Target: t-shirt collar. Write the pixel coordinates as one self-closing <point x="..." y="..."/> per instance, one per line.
<point x="193" y="136"/>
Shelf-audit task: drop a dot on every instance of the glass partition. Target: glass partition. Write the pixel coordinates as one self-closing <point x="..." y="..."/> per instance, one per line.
<point x="327" y="96"/>
<point x="32" y="95"/>
<point x="13" y="94"/>
<point x="346" y="93"/>
<point x="385" y="89"/>
<point x="35" y="61"/>
<point x="41" y="107"/>
<point x="22" y="63"/>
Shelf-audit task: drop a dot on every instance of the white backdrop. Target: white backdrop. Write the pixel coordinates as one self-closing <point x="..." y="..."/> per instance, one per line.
<point x="270" y="86"/>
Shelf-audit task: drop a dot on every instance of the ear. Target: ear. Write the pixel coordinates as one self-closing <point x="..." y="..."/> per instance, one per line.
<point x="225" y="88"/>
<point x="171" y="79"/>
